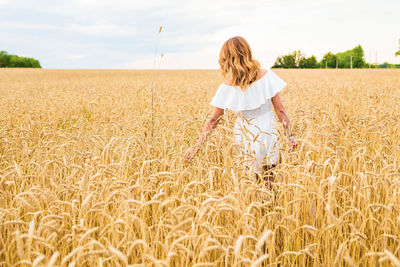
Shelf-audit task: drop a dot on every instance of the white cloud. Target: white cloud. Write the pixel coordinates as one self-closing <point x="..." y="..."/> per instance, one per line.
<point x="27" y="26"/>
<point x="205" y="58"/>
<point x="117" y="4"/>
<point x="77" y="56"/>
<point x="101" y="29"/>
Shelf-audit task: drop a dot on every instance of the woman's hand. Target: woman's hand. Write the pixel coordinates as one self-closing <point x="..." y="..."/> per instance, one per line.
<point x="292" y="144"/>
<point x="208" y="128"/>
<point x="189" y="155"/>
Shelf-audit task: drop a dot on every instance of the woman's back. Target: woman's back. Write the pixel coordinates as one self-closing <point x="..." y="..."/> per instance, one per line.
<point x="254" y="100"/>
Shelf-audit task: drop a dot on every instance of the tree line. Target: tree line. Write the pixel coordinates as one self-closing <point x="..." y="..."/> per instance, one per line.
<point x="353" y="58"/>
<point x="14" y="61"/>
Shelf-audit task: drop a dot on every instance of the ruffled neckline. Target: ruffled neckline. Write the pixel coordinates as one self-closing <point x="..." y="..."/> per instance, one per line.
<point x="255" y="95"/>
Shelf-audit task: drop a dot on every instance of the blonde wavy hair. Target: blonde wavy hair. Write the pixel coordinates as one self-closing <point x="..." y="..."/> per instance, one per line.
<point x="237" y="64"/>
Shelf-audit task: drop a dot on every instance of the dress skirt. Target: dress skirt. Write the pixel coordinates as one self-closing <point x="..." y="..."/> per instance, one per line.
<point x="258" y="140"/>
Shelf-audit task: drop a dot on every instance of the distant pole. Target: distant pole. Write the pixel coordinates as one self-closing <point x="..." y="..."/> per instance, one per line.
<point x="370" y="59"/>
<point x="376" y="58"/>
<point x="351" y="62"/>
<point x="336" y="63"/>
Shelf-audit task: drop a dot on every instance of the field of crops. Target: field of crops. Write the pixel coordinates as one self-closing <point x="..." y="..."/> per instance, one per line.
<point x="90" y="177"/>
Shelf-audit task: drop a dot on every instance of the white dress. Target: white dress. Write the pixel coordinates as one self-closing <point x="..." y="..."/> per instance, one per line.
<point x="258" y="135"/>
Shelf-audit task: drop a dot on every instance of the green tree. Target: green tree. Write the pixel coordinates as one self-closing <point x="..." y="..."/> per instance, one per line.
<point x="298" y="57"/>
<point x="291" y="60"/>
<point x="13" y="61"/>
<point x="278" y="62"/>
<point x="4" y="59"/>
<point x="356" y="55"/>
<point x="387" y="65"/>
<point x="308" y="63"/>
<point x="286" y="61"/>
<point x="328" y="60"/>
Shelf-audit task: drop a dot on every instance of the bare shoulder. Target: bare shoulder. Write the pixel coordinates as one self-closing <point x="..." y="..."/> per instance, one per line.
<point x="263" y="73"/>
<point x="226" y="82"/>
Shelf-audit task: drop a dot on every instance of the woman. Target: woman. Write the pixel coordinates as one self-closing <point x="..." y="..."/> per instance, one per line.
<point x="249" y="91"/>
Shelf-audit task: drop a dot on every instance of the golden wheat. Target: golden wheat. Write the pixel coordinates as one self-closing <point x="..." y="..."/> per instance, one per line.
<point x="83" y="182"/>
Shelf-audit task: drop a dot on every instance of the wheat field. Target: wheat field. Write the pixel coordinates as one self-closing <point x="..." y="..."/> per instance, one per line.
<point x="89" y="176"/>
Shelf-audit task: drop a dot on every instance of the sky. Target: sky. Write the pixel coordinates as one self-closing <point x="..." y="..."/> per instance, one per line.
<point x="121" y="34"/>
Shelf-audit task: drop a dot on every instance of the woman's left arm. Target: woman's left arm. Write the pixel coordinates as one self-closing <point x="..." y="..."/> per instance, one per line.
<point x="207" y="130"/>
<point x="284" y="118"/>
